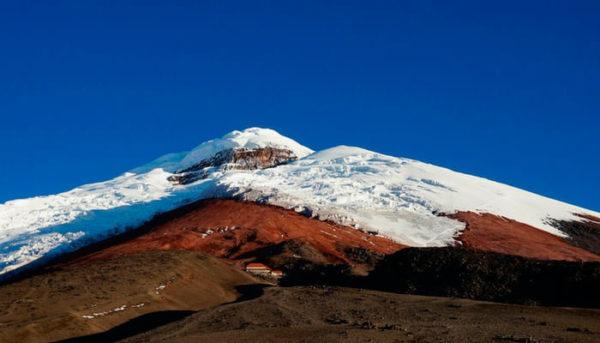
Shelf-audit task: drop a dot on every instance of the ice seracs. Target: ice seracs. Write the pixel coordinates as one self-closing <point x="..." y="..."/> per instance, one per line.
<point x="396" y="197"/>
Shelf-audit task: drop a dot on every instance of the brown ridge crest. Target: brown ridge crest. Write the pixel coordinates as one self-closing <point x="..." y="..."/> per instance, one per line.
<point x="489" y="232"/>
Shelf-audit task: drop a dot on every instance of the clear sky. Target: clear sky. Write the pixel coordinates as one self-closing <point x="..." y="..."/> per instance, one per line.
<point x="509" y="91"/>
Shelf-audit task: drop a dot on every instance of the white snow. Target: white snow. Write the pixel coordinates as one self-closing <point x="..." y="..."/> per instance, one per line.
<point x="50" y="225"/>
<point x="395" y="197"/>
<point x="160" y="288"/>
<point x="251" y="138"/>
<point x="114" y="310"/>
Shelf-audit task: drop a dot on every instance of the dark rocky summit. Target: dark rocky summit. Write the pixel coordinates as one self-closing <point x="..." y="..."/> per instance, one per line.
<point x="241" y="159"/>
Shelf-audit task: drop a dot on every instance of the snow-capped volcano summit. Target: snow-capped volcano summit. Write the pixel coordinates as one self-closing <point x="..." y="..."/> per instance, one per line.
<point x="251" y="138"/>
<point x="408" y="201"/>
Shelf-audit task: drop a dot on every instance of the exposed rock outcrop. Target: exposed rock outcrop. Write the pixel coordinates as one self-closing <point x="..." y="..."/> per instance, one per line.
<point x="241" y="159"/>
<point x="584" y="233"/>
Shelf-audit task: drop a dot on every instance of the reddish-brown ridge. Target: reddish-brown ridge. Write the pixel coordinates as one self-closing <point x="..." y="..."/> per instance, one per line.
<point x="485" y="231"/>
<point x="229" y="228"/>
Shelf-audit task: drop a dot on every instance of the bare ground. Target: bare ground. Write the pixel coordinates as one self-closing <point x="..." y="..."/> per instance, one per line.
<point x="81" y="299"/>
<point x="209" y="300"/>
<point x="310" y="314"/>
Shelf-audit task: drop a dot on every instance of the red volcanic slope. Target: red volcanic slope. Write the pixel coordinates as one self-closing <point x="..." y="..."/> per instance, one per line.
<point x="229" y="228"/>
<point x="493" y="233"/>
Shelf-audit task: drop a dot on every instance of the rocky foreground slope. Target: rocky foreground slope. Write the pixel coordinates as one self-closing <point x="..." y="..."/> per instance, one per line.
<point x="331" y="314"/>
<point x="84" y="297"/>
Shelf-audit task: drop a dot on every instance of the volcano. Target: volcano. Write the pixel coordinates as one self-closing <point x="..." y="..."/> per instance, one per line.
<point x="411" y="203"/>
<point x="344" y="216"/>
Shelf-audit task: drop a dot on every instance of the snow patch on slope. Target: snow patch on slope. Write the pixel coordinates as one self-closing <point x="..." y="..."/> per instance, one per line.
<point x="51" y="225"/>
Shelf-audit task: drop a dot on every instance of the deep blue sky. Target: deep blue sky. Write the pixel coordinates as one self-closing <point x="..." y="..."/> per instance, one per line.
<point x="510" y="91"/>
